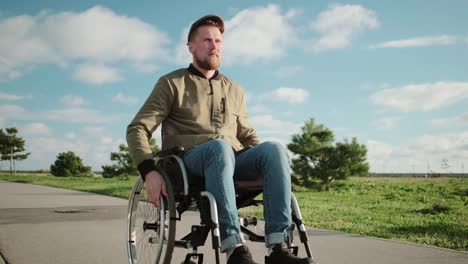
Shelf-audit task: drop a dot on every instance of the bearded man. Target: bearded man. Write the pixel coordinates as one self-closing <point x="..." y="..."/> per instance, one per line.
<point x="205" y="112"/>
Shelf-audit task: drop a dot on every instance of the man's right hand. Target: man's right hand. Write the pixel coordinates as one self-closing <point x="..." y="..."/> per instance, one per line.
<point x="155" y="185"/>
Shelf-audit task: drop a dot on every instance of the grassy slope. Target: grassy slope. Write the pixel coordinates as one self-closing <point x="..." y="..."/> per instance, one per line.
<point x="426" y="211"/>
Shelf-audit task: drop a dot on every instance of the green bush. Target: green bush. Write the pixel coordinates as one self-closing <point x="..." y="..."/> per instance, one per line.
<point x="68" y="164"/>
<point x="111" y="171"/>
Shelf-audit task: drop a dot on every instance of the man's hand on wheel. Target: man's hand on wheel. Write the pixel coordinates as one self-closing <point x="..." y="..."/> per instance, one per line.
<point x="154" y="187"/>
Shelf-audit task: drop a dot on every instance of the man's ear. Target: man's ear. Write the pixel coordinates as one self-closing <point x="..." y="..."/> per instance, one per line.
<point x="190" y="47"/>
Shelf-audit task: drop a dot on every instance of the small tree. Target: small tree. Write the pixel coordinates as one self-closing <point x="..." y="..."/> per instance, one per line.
<point x="318" y="157"/>
<point x="124" y="165"/>
<point x="68" y="164"/>
<point x="12" y="147"/>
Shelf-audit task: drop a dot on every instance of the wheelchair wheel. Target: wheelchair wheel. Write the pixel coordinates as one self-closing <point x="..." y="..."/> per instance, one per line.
<point x="150" y="230"/>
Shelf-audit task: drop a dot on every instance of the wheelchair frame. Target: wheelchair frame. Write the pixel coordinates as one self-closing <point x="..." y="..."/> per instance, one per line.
<point x="152" y="235"/>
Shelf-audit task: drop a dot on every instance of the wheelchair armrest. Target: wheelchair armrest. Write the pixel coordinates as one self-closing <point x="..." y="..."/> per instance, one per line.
<point x="172" y="151"/>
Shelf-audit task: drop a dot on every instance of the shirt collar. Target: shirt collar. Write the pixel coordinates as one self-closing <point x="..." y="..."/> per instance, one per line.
<point x="196" y="72"/>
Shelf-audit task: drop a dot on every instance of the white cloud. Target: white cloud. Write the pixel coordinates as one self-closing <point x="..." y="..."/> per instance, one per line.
<point x="460" y="120"/>
<point x="182" y="54"/>
<point x="268" y="125"/>
<point x="288" y="71"/>
<point x="22" y="44"/>
<point x="378" y="154"/>
<point x="146" y="67"/>
<point x="70" y="135"/>
<point x="12" y="111"/>
<point x="73" y="100"/>
<point x="287" y="114"/>
<point x="97" y="34"/>
<point x="94" y="151"/>
<point x="101" y="34"/>
<point x="78" y="115"/>
<point x="339" y="24"/>
<point x="252" y="35"/>
<point x="289" y="95"/>
<point x="423" y="154"/>
<point x="258" y="109"/>
<point x="125" y="99"/>
<point x="259" y="33"/>
<point x="10" y="97"/>
<point x="387" y="122"/>
<point x="97" y="74"/>
<point x="94" y="130"/>
<point x="418" y="42"/>
<point x="36" y="129"/>
<point x="11" y="75"/>
<point x="98" y="132"/>
<point x="421" y="97"/>
<point x="157" y="136"/>
<point x="92" y="143"/>
<point x="249" y="96"/>
<point x="70" y="115"/>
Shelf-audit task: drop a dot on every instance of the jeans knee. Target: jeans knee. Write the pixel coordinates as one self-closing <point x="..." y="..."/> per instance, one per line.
<point x="274" y="150"/>
<point x="274" y="156"/>
<point x="220" y="148"/>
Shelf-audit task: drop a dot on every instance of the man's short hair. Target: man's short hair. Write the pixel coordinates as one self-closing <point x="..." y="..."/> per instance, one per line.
<point x="208" y="20"/>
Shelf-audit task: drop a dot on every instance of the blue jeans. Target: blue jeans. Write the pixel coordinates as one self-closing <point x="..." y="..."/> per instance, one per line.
<point x="216" y="162"/>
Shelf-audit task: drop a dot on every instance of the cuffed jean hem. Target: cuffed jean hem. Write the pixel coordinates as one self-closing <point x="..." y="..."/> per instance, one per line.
<point x="276" y="238"/>
<point x="231" y="241"/>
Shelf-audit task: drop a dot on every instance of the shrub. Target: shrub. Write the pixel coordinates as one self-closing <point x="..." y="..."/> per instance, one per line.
<point x="68" y="164"/>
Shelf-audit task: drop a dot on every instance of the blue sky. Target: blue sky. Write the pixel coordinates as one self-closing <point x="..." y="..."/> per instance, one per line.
<point x="394" y="74"/>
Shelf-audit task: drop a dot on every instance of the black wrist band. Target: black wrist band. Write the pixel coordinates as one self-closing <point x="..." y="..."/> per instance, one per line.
<point x="145" y="167"/>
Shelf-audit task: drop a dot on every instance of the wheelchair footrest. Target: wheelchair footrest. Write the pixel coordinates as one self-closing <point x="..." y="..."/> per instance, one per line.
<point x="198" y="235"/>
<point x="198" y="256"/>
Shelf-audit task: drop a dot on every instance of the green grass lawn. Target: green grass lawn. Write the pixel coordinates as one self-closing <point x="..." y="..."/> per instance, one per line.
<point x="426" y="211"/>
<point x="430" y="211"/>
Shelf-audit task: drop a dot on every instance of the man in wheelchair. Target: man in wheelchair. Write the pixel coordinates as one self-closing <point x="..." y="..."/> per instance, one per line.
<point x="205" y="112"/>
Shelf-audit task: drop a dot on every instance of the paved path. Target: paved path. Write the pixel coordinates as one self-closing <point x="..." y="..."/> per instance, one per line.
<point x="45" y="225"/>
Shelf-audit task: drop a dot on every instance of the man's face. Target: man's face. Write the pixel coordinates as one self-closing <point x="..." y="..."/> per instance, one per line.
<point x="206" y="47"/>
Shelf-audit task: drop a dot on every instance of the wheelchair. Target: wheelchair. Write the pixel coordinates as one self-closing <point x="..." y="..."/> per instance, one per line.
<point x="151" y="231"/>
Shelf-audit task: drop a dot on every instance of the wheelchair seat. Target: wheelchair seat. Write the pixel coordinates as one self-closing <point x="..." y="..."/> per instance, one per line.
<point x="151" y="231"/>
<point x="248" y="186"/>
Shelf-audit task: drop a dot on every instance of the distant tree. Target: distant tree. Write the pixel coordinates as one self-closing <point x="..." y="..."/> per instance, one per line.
<point x="351" y="160"/>
<point x="69" y="164"/>
<point x="318" y="157"/>
<point x="124" y="162"/>
<point x="445" y="165"/>
<point x="12" y="147"/>
<point x="311" y="148"/>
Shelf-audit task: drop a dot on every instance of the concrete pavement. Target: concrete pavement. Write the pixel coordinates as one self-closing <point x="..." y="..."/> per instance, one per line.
<point x="47" y="225"/>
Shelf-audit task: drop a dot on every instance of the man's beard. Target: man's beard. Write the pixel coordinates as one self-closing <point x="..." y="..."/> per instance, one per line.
<point x="208" y="64"/>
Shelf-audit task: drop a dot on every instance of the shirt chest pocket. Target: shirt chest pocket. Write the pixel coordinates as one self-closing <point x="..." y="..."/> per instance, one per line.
<point x="231" y="111"/>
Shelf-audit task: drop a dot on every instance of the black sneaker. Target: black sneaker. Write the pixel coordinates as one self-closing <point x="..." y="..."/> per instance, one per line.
<point x="241" y="255"/>
<point x="282" y="255"/>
